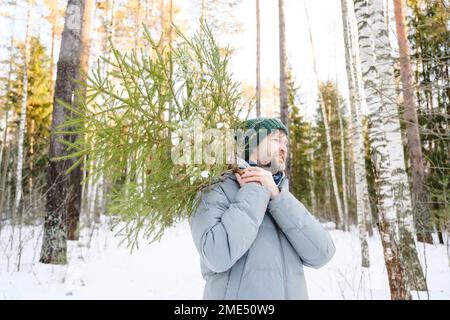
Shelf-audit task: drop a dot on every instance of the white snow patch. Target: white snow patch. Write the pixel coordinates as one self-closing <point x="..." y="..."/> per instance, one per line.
<point x="99" y="268"/>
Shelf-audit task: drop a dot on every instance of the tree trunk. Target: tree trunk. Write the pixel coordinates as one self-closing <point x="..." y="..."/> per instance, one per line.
<point x="258" y="61"/>
<point x="7" y="104"/>
<point x="73" y="211"/>
<point x="415" y="276"/>
<point x="311" y="181"/>
<point x="99" y="197"/>
<point x="63" y="190"/>
<point x="420" y="199"/>
<point x="203" y="12"/>
<point x="31" y="160"/>
<point x="137" y="34"/>
<point x="86" y="44"/>
<point x="7" y="203"/>
<point x="84" y="187"/>
<point x="53" y="21"/>
<point x="385" y="137"/>
<point x="149" y="22"/>
<point x="388" y="222"/>
<point x="344" y="177"/>
<point x="327" y="133"/>
<point x="360" y="105"/>
<point x="284" y="108"/>
<point x="4" y="171"/>
<point x="357" y="137"/>
<point x="92" y="191"/>
<point x="169" y="137"/>
<point x="170" y="32"/>
<point x="109" y="27"/>
<point x="23" y="111"/>
<point x="163" y="25"/>
<point x="8" y="89"/>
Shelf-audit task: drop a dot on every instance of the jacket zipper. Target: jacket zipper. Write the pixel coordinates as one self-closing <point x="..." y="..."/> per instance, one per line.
<point x="284" y="268"/>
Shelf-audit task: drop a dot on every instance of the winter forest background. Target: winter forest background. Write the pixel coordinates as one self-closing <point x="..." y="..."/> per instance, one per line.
<point x="364" y="86"/>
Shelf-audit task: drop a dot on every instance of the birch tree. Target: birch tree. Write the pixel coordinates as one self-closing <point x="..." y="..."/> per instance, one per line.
<point x="394" y="200"/>
<point x="360" y="105"/>
<point x="23" y="111"/>
<point x="258" y="61"/>
<point x="311" y="180"/>
<point x="284" y="108"/>
<point x="358" y="152"/>
<point x="343" y="174"/>
<point x="341" y="220"/>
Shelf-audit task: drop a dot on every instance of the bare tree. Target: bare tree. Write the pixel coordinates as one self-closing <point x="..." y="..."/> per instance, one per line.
<point x="284" y="107"/>
<point x="341" y="222"/>
<point x="23" y="111"/>
<point x="356" y="135"/>
<point x="63" y="190"/>
<point x="6" y="145"/>
<point x="74" y="208"/>
<point x="258" y="61"/>
<point x="343" y="170"/>
<point x="53" y="18"/>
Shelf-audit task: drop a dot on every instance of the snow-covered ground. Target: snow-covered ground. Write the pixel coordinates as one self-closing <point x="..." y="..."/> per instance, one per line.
<point x="99" y="268"/>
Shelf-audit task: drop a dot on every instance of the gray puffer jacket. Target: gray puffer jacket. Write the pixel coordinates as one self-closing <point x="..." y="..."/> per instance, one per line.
<point x="252" y="247"/>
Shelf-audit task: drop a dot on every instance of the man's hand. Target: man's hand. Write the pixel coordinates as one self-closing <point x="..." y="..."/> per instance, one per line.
<point x="261" y="176"/>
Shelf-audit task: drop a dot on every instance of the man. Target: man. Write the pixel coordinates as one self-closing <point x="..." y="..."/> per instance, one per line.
<point x="252" y="234"/>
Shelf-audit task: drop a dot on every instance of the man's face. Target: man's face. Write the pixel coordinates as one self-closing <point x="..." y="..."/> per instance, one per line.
<point x="271" y="153"/>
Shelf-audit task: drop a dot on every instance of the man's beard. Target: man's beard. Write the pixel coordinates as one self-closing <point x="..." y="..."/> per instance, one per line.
<point x="274" y="166"/>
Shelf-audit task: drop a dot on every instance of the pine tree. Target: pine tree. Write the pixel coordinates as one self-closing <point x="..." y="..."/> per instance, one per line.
<point x="74" y="208"/>
<point x="300" y="133"/>
<point x="420" y="202"/>
<point x="430" y="49"/>
<point x="127" y="118"/>
<point x="38" y="111"/>
<point x="64" y="192"/>
<point x="7" y="110"/>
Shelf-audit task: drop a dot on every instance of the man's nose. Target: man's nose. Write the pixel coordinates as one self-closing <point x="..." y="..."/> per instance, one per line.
<point x="283" y="148"/>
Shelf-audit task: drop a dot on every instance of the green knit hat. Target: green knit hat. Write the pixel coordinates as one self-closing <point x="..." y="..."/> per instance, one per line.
<point x="259" y="128"/>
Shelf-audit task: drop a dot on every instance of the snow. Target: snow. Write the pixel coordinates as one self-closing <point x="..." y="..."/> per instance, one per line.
<point x="100" y="268"/>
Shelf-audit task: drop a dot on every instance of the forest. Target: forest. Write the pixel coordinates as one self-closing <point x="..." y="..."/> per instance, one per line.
<point x="94" y="95"/>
